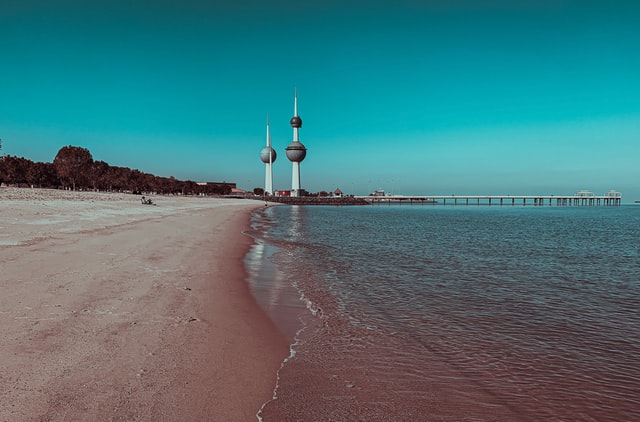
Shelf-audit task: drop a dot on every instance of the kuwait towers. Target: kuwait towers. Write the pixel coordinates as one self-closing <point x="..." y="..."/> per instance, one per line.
<point x="295" y="151"/>
<point x="268" y="156"/>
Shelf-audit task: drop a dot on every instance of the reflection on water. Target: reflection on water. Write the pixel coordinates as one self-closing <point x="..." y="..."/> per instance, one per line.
<point x="271" y="287"/>
<point x="294" y="225"/>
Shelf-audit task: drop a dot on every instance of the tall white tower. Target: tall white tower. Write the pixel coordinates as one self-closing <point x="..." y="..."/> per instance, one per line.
<point x="295" y="151"/>
<point x="268" y="156"/>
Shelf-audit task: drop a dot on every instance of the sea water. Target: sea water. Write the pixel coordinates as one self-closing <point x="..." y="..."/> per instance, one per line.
<point x="428" y="312"/>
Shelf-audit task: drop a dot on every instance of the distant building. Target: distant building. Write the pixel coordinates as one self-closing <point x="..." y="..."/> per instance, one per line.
<point x="216" y="188"/>
<point x="584" y="193"/>
<point x="287" y="192"/>
<point x="337" y="193"/>
<point x="268" y="156"/>
<point x="296" y="152"/>
<point x="217" y="184"/>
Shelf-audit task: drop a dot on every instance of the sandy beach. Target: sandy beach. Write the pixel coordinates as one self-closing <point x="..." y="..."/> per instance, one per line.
<point x="113" y="310"/>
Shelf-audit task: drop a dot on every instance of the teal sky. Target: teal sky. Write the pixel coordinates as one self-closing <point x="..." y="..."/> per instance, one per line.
<point x="415" y="97"/>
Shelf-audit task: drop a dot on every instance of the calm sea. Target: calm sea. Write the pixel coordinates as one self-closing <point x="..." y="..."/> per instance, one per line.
<point x="443" y="313"/>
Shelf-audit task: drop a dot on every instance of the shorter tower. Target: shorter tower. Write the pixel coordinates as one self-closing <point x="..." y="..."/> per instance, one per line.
<point x="296" y="152"/>
<point x="268" y="156"/>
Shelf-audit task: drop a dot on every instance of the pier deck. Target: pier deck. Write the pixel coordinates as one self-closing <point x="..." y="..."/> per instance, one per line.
<point x="513" y="200"/>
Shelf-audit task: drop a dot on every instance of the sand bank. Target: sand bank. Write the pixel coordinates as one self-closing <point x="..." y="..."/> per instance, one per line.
<point x="113" y="310"/>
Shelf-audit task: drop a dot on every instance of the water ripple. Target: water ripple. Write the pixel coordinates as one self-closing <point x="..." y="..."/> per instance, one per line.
<point x="534" y="310"/>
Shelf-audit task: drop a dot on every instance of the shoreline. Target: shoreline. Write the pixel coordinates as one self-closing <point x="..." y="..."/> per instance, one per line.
<point x="118" y="311"/>
<point x="269" y="283"/>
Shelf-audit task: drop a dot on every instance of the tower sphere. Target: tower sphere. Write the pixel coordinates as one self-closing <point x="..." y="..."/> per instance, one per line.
<point x="295" y="152"/>
<point x="264" y="155"/>
<point x="296" y="122"/>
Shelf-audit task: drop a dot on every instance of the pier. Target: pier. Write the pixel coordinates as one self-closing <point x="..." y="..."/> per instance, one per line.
<point x="581" y="198"/>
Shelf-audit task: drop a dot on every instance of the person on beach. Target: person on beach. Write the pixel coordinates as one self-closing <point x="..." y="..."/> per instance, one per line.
<point x="146" y="201"/>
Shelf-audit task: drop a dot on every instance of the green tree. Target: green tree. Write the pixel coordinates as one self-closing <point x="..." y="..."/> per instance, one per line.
<point x="73" y="165"/>
<point x="100" y="176"/>
<point x="14" y="170"/>
<point x="42" y="175"/>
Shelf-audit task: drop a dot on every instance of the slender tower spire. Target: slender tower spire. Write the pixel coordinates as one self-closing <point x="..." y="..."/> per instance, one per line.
<point x="296" y="152"/>
<point x="268" y="156"/>
<point x="295" y="114"/>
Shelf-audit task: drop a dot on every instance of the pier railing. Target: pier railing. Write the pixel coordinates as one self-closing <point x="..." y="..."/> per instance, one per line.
<point x="512" y="200"/>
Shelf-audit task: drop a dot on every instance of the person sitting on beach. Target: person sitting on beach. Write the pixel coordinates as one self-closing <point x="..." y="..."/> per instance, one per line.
<point x="146" y="201"/>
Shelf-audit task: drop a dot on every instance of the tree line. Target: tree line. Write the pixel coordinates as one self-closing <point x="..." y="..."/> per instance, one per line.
<point x="74" y="168"/>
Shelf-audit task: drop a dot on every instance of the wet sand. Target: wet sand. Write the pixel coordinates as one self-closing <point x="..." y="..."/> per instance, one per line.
<point x="113" y="310"/>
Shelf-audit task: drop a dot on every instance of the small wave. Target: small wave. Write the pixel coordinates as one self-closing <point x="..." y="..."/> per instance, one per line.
<point x="315" y="311"/>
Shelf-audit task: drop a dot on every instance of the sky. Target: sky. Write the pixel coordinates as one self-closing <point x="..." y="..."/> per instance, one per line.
<point x="415" y="97"/>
